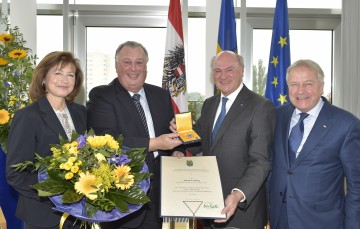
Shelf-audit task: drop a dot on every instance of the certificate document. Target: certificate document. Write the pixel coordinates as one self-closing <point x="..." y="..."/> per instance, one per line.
<point x="190" y="187"/>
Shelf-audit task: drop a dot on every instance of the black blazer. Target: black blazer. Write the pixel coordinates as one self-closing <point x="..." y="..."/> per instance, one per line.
<point x="111" y="110"/>
<point x="32" y="131"/>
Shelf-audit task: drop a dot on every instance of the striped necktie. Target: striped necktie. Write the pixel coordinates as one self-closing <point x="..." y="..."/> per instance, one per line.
<point x="136" y="98"/>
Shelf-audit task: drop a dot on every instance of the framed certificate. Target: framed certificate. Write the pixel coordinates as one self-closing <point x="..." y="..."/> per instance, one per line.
<point x="191" y="187"/>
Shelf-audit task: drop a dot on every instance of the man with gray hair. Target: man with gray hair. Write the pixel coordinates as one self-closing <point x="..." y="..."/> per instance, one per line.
<point x="316" y="146"/>
<point x="141" y="113"/>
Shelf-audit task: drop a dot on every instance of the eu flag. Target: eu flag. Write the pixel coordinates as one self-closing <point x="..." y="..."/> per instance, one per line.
<point x="279" y="61"/>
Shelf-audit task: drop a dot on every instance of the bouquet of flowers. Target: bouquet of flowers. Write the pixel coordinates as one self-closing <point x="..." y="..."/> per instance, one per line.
<point x="16" y="67"/>
<point x="93" y="178"/>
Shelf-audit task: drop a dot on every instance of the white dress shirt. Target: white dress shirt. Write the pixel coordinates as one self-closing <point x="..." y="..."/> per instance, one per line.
<point x="148" y="116"/>
<point x="308" y="122"/>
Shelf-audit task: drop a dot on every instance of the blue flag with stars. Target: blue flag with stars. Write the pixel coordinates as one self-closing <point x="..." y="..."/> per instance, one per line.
<point x="276" y="87"/>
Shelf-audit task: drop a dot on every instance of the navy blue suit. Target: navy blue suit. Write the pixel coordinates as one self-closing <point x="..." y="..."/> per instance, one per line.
<point x="32" y="131"/>
<point x="313" y="188"/>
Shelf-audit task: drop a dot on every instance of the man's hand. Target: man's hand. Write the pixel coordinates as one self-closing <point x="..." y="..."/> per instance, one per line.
<point x="172" y="126"/>
<point x="178" y="154"/>
<point x="231" y="204"/>
<point x="164" y="142"/>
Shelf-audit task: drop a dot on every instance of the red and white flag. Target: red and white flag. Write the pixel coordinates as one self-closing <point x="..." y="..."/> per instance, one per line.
<point x="174" y="74"/>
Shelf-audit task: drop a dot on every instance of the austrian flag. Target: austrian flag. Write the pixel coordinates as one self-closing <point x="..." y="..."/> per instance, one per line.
<point x="174" y="74"/>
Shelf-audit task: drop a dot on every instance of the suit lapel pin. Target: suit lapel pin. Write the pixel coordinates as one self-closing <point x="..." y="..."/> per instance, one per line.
<point x="324" y="126"/>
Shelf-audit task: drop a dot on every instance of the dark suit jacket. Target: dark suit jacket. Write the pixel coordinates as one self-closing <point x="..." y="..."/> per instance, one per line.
<point x="111" y="110"/>
<point x="315" y="196"/>
<point x="241" y="147"/>
<point x="32" y="131"/>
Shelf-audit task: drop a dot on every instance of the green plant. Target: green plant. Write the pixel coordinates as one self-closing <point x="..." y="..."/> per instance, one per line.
<point x="259" y="78"/>
<point x="195" y="105"/>
<point x="16" y="67"/>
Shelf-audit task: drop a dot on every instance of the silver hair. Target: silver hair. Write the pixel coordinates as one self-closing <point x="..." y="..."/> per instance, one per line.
<point x="310" y="64"/>
<point x="239" y="58"/>
<point x="132" y="44"/>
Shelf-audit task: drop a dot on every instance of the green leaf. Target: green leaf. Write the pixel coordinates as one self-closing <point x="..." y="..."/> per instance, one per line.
<point x="104" y="204"/>
<point x="117" y="198"/>
<point x="20" y="167"/>
<point x="70" y="196"/>
<point x="53" y="187"/>
<point x="54" y="175"/>
<point x="91" y="209"/>
<point x="135" y="195"/>
<point x="138" y="177"/>
<point x="120" y="139"/>
<point x="44" y="194"/>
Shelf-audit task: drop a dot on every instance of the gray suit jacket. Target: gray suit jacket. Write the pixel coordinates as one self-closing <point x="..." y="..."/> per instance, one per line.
<point x="241" y="147"/>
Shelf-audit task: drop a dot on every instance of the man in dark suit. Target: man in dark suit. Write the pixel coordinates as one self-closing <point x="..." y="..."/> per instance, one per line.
<point x="111" y="109"/>
<point x="306" y="184"/>
<point x="241" y="145"/>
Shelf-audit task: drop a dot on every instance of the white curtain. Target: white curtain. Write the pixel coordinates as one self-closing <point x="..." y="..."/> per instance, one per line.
<point x="348" y="83"/>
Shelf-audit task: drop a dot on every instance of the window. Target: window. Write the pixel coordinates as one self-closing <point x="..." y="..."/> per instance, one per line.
<point x="103" y="42"/>
<point x="304" y="44"/>
<point x="49" y="35"/>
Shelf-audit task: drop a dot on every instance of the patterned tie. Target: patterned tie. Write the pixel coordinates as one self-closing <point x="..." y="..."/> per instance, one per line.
<point x="220" y="119"/>
<point x="136" y="98"/>
<point x="295" y="138"/>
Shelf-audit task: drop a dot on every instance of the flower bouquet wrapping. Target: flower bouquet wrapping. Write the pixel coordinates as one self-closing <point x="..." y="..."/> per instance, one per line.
<point x="93" y="178"/>
<point x="16" y="67"/>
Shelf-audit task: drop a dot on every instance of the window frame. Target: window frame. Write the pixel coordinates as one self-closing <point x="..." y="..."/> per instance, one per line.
<point x="82" y="16"/>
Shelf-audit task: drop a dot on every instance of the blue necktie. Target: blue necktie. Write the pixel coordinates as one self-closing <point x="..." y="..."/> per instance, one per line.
<point x="220" y="118"/>
<point x="295" y="138"/>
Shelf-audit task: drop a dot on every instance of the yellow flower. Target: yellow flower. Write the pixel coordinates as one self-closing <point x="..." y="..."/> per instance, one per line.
<point x="69" y="175"/>
<point x="68" y="165"/>
<point x="74" y="169"/>
<point x="78" y="163"/>
<point x="56" y="152"/>
<point x="72" y="159"/>
<point x="73" y="150"/>
<point x="100" y="157"/>
<point x="3" y="62"/>
<point x="74" y="144"/>
<point x="96" y="141"/>
<point x="17" y="54"/>
<point x="124" y="179"/>
<point x="110" y="141"/>
<point x="6" y="38"/>
<point x="4" y="116"/>
<point x="87" y="185"/>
